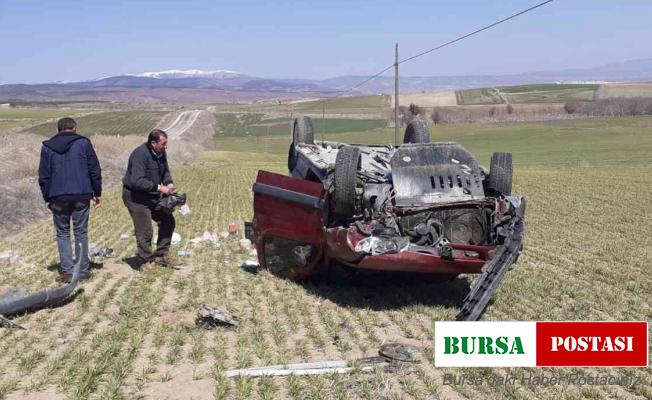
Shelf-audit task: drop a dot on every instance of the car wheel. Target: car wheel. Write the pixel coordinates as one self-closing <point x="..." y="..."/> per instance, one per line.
<point x="302" y="132"/>
<point x="500" y="174"/>
<point x="347" y="164"/>
<point x="417" y="132"/>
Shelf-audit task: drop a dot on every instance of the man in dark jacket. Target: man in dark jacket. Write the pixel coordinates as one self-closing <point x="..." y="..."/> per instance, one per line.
<point x="148" y="179"/>
<point x="70" y="176"/>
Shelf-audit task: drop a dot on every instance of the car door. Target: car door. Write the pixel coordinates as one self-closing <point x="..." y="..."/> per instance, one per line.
<point x="288" y="223"/>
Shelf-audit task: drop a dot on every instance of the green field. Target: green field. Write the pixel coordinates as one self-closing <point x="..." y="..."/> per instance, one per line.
<point x="132" y="335"/>
<point x="363" y="105"/>
<point x="13" y="119"/>
<point x="244" y="125"/>
<point x="547" y="87"/>
<point x="585" y="141"/>
<point x="471" y="97"/>
<point x="528" y="94"/>
<point x="108" y="123"/>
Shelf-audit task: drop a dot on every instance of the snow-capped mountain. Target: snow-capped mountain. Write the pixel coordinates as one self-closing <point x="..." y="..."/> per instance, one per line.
<point x="223" y="85"/>
<point x="192" y="73"/>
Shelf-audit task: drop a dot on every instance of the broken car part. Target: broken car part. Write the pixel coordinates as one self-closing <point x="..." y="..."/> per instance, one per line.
<point x="209" y="317"/>
<point x="311" y="368"/>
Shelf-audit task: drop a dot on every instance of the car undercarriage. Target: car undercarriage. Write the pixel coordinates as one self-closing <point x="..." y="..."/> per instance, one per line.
<point x="421" y="207"/>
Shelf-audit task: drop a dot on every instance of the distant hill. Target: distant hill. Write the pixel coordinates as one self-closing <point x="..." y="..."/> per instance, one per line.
<point x="198" y="86"/>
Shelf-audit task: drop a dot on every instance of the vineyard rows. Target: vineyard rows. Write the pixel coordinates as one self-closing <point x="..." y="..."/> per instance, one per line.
<point x="108" y="123"/>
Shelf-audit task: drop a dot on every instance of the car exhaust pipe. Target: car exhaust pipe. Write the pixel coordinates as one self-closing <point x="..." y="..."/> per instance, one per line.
<point x="18" y="302"/>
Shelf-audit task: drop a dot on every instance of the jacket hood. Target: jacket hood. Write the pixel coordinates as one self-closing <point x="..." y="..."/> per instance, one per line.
<point x="61" y="142"/>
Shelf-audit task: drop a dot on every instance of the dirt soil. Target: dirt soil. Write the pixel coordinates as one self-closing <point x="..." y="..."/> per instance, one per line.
<point x="430" y="99"/>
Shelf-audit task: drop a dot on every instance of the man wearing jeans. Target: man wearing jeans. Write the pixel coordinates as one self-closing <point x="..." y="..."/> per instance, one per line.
<point x="70" y="176"/>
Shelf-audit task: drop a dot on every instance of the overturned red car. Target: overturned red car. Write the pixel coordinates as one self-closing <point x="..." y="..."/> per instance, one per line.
<point x="421" y="207"/>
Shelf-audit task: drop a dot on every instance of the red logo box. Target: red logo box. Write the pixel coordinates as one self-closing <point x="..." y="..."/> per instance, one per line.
<point x="592" y="344"/>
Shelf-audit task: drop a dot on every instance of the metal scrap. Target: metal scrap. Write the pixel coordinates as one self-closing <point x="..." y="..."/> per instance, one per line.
<point x="100" y="252"/>
<point x="209" y="317"/>
<point x="397" y="352"/>
<point x="311" y="368"/>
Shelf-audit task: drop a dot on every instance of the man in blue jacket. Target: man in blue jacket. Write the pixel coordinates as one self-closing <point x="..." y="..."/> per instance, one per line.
<point x="70" y="176"/>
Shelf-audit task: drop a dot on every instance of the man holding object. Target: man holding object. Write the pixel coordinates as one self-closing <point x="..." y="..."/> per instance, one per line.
<point x="70" y="176"/>
<point x="146" y="180"/>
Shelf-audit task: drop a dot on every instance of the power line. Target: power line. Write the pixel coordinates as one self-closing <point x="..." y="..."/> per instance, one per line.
<point x="357" y="85"/>
<point x="475" y="32"/>
<point x="444" y="45"/>
<point x="365" y="81"/>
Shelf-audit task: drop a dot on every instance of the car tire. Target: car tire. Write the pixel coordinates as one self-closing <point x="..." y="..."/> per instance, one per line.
<point x="500" y="174"/>
<point x="417" y="132"/>
<point x="347" y="164"/>
<point x="302" y="132"/>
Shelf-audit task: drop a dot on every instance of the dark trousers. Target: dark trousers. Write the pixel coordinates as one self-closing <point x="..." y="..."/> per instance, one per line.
<point x="143" y="210"/>
<point x="62" y="213"/>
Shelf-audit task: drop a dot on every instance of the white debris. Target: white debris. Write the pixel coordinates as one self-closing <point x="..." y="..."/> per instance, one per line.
<point x="124" y="236"/>
<point x="250" y="266"/>
<point x="184" y="209"/>
<point x="9" y="257"/>
<point x="250" y="263"/>
<point x="207" y="236"/>
<point x="245" y="245"/>
<point x="176" y="238"/>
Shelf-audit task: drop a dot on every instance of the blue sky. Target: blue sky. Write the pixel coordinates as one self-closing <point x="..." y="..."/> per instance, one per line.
<point x="44" y="41"/>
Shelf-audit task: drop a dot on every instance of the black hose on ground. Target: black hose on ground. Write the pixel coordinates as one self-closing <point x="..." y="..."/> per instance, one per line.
<point x="12" y="305"/>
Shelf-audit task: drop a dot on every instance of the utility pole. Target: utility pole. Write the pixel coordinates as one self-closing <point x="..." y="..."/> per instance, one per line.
<point x="397" y="139"/>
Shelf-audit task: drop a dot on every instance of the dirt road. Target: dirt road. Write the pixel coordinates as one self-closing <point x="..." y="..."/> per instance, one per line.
<point x="181" y="123"/>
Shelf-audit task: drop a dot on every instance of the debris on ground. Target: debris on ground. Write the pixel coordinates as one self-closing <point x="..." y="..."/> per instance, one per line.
<point x="9" y="257"/>
<point x="184" y="210"/>
<point x="245" y="245"/>
<point x="7" y="323"/>
<point x="233" y="228"/>
<point x="224" y="235"/>
<point x="250" y="266"/>
<point x="209" y="235"/>
<point x="183" y="253"/>
<point x="176" y="238"/>
<point x="208" y="317"/>
<point x="397" y="352"/>
<point x="100" y="252"/>
<point x="125" y="236"/>
<point x="311" y="368"/>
